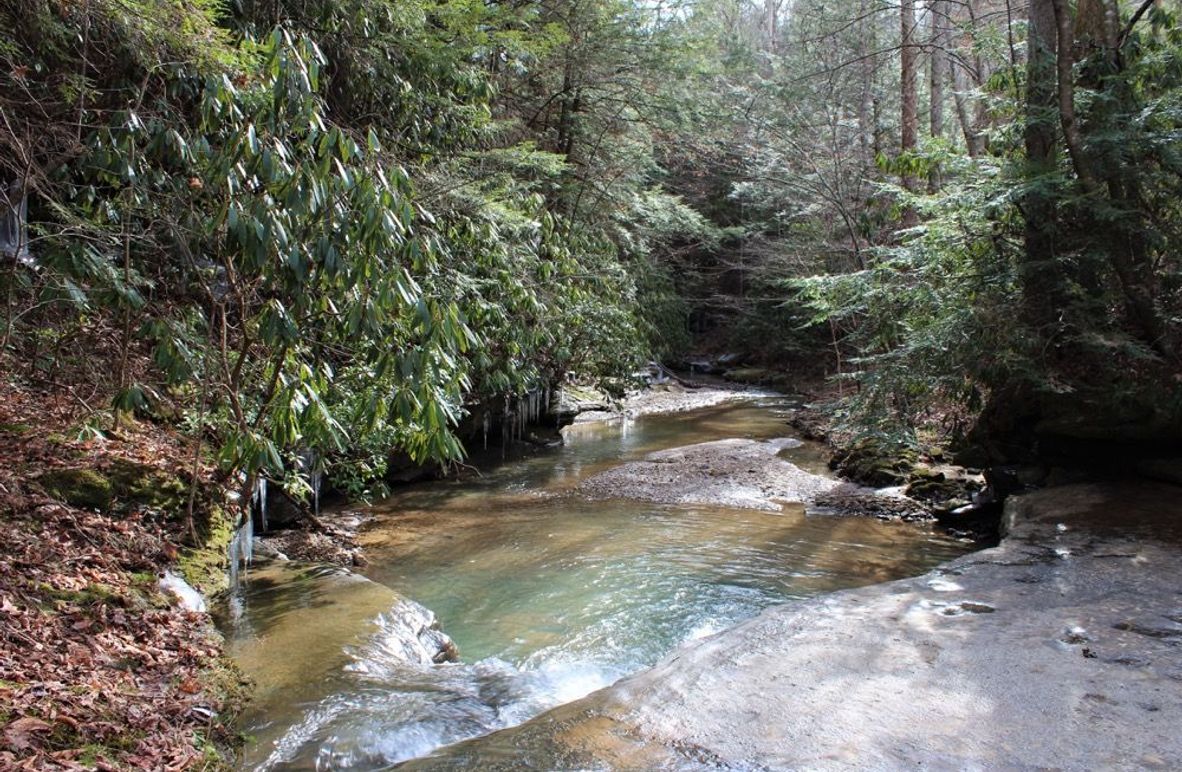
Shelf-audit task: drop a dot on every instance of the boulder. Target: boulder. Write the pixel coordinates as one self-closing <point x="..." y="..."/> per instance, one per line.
<point x="568" y="402"/>
<point x="855" y="501"/>
<point x="874" y="463"/>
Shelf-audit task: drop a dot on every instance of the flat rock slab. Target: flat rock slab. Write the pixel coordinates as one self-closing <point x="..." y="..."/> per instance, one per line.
<point x="747" y="474"/>
<point x="1059" y="649"/>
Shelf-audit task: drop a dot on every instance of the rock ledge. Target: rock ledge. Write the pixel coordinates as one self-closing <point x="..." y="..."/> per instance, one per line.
<point x="1060" y="648"/>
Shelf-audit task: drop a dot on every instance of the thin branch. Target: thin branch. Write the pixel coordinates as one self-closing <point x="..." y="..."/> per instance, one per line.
<point x="1136" y="17"/>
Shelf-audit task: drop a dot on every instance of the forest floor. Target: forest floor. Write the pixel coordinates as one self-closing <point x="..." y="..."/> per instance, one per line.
<point x="99" y="669"/>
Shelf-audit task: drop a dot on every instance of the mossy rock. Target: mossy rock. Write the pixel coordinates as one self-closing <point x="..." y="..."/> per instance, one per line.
<point x="937" y="489"/>
<point x="145" y="486"/>
<point x="204" y="566"/>
<point x="84" y="488"/>
<point x="874" y="463"/>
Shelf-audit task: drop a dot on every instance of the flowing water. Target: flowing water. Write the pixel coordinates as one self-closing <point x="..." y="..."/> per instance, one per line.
<point x="548" y="595"/>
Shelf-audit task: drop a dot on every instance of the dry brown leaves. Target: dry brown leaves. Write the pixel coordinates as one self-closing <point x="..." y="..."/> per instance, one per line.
<point x="97" y="669"/>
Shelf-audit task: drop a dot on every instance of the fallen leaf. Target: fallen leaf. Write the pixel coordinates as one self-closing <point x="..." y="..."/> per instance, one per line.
<point x="19" y="733"/>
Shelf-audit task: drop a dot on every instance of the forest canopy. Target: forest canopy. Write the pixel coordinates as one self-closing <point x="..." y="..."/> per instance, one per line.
<point x="335" y="225"/>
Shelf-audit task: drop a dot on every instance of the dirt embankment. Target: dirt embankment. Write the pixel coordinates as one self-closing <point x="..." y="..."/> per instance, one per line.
<point x="98" y="667"/>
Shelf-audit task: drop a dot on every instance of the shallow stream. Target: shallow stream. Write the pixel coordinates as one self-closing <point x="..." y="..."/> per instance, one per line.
<point x="548" y="595"/>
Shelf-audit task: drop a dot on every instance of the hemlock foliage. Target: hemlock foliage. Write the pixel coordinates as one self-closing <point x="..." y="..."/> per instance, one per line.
<point x="332" y="225"/>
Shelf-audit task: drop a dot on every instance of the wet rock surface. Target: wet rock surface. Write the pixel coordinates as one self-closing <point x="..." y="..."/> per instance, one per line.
<point x="748" y="474"/>
<point x="316" y="629"/>
<point x="850" y="500"/>
<point x="1060" y="648"/>
<point x="672" y="396"/>
<point x="335" y="547"/>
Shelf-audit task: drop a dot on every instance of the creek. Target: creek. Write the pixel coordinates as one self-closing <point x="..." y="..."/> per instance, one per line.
<point x="548" y="595"/>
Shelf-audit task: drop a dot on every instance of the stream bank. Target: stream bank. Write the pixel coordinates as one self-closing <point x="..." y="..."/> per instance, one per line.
<point x="1059" y="648"/>
<point x="100" y="667"/>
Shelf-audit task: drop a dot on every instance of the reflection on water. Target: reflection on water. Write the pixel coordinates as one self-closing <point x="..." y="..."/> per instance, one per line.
<point x="548" y="596"/>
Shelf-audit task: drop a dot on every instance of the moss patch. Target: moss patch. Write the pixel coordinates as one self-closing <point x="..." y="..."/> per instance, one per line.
<point x="142" y="485"/>
<point x="123" y="485"/>
<point x="84" y="488"/>
<point x="204" y="566"/>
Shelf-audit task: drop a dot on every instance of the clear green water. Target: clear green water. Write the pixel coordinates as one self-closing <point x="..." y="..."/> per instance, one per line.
<point x="548" y="595"/>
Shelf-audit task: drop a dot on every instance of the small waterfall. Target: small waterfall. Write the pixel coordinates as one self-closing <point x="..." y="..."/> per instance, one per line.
<point x="487" y="424"/>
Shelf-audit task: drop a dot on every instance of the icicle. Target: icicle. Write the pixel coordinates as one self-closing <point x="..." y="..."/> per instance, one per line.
<point x="259" y="501"/>
<point x="233" y="556"/>
<point x="246" y="542"/>
<point x="505" y="428"/>
<point x="314" y="479"/>
<point x="241" y="549"/>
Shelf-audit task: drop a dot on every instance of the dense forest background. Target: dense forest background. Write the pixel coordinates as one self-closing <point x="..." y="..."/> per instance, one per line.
<point x="294" y="224"/>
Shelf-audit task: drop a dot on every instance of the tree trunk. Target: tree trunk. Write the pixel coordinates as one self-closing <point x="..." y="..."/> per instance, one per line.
<point x="973" y="139"/>
<point x="909" y="119"/>
<point x="1065" y="65"/>
<point x="866" y="114"/>
<point x="1041" y="283"/>
<point x="938" y="78"/>
<point x="939" y="66"/>
<point x="771" y="10"/>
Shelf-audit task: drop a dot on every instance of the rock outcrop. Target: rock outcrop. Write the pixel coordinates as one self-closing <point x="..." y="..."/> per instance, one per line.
<point x="1060" y="648"/>
<point x="747" y="474"/>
